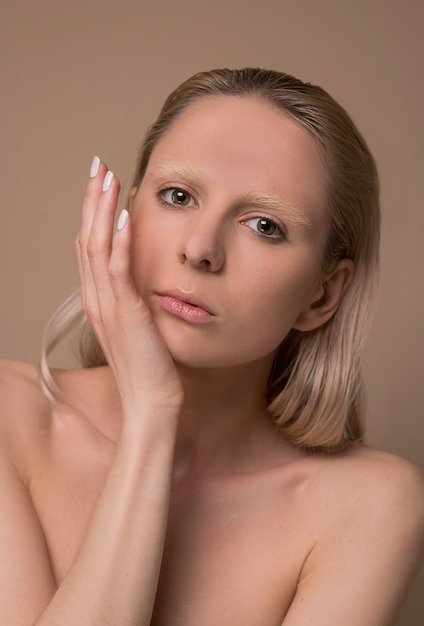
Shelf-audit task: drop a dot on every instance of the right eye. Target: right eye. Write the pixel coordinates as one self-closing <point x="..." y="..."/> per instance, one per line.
<point x="175" y="196"/>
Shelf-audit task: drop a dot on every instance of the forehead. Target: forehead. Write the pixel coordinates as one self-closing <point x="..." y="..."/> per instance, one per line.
<point x="245" y="140"/>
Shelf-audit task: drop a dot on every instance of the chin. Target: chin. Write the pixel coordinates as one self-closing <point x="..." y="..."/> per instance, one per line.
<point x="198" y="348"/>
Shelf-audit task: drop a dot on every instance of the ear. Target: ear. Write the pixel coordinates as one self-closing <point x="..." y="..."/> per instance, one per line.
<point x="332" y="291"/>
<point x="131" y="197"/>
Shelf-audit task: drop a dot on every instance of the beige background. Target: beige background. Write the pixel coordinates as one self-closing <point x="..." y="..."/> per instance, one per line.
<point x="86" y="76"/>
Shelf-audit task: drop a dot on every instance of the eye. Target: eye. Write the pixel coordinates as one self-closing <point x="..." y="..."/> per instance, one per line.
<point x="265" y="227"/>
<point x="176" y="196"/>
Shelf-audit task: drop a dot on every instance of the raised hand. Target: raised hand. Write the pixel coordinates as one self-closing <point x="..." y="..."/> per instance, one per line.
<point x="141" y="363"/>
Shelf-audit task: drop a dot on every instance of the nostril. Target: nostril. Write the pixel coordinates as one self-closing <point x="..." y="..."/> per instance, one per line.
<point x="200" y="262"/>
<point x="206" y="258"/>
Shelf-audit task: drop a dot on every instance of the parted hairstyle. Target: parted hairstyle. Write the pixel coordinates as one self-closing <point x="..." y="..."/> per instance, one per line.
<point x="315" y="387"/>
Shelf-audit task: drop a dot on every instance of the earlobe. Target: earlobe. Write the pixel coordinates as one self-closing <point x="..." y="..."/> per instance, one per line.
<point x="332" y="291"/>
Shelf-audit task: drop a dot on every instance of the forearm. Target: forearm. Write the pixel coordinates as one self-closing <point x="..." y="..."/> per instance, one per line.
<point x="114" y="576"/>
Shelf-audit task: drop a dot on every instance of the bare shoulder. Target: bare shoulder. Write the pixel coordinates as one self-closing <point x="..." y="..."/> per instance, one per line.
<point x="373" y="476"/>
<point x="41" y="435"/>
<point x="366" y="514"/>
<point x="14" y="373"/>
<point x="374" y="500"/>
<point x="371" y="486"/>
<point x="24" y="409"/>
<point x="20" y="392"/>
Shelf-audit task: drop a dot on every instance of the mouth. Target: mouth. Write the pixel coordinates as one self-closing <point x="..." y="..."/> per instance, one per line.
<point x="186" y="305"/>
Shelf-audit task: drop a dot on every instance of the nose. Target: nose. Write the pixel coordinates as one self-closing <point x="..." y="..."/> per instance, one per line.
<point x="202" y="245"/>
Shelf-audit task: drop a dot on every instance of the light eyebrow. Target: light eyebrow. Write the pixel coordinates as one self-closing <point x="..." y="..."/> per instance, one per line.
<point x="273" y="202"/>
<point x="259" y="199"/>
<point x="182" y="172"/>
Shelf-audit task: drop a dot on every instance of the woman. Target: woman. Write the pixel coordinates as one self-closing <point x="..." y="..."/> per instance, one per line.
<point x="206" y="466"/>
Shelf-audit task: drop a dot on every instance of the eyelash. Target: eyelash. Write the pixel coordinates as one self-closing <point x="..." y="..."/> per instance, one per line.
<point x="162" y="192"/>
<point x="273" y="238"/>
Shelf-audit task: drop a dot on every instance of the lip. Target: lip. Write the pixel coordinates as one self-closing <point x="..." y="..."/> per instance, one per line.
<point x="186" y="305"/>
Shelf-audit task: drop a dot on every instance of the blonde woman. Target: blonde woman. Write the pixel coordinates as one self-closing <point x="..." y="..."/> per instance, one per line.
<point x="206" y="465"/>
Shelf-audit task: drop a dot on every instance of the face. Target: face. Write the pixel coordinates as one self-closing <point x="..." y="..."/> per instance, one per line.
<point x="229" y="227"/>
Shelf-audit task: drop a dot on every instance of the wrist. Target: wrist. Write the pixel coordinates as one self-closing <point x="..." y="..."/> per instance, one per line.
<point x="151" y="422"/>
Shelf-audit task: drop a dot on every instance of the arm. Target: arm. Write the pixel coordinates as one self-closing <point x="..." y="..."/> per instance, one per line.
<point x="114" y="576"/>
<point x="113" y="580"/>
<point x="360" y="570"/>
<point x="26" y="579"/>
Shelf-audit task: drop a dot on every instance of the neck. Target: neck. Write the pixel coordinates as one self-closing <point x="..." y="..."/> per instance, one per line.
<point x="224" y="425"/>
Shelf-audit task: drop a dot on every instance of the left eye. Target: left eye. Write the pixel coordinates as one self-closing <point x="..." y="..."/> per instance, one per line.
<point x="265" y="227"/>
<point x="177" y="197"/>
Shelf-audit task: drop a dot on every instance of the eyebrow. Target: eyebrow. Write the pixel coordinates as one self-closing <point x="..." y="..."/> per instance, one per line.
<point x="274" y="202"/>
<point x="257" y="198"/>
<point x="175" y="169"/>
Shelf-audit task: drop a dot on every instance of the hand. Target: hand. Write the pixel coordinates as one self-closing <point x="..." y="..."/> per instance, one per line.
<point x="141" y="363"/>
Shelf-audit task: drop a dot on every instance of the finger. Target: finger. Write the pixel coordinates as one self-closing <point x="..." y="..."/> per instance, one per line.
<point x="120" y="264"/>
<point x="99" y="244"/>
<point x="93" y="192"/>
<point x="99" y="183"/>
<point x="97" y="173"/>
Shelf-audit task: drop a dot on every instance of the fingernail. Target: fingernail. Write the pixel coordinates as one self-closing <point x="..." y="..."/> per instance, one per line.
<point x="107" y="181"/>
<point x="123" y="219"/>
<point x="95" y="164"/>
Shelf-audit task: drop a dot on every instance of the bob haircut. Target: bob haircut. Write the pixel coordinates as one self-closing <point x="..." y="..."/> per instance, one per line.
<point x="315" y="388"/>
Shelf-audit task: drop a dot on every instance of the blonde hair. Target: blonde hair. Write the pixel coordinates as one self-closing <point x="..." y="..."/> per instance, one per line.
<point x="315" y="388"/>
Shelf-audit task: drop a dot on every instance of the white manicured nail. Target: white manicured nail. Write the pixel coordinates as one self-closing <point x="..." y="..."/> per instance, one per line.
<point x="94" y="167"/>
<point x="107" y="181"/>
<point x="123" y="219"/>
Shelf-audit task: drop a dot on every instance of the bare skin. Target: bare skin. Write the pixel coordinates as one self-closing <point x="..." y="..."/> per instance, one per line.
<point x="161" y="493"/>
<point x="268" y="546"/>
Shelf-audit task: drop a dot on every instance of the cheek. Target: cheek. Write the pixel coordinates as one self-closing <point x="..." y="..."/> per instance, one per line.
<point x="271" y="306"/>
<point x="284" y="291"/>
<point x="146" y="252"/>
<point x="264" y="326"/>
<point x="153" y="231"/>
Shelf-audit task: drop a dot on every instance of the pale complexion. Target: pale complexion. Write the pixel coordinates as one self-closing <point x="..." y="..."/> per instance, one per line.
<point x="244" y="240"/>
<point x="167" y="467"/>
<point x="245" y="236"/>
